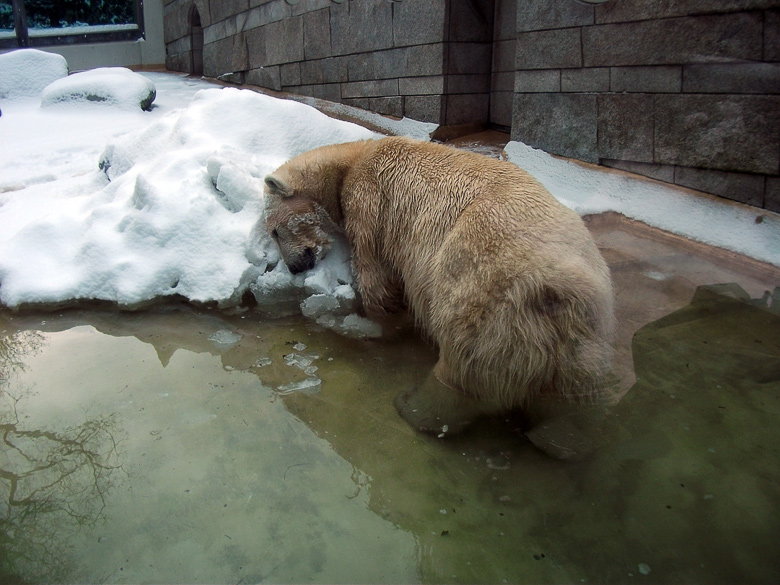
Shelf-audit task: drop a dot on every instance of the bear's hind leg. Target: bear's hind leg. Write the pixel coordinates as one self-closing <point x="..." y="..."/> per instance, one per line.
<point x="439" y="407"/>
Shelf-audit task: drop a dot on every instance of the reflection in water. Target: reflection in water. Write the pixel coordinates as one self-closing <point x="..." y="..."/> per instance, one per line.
<point x="52" y="482"/>
<point x="14" y="347"/>
<point x="223" y="483"/>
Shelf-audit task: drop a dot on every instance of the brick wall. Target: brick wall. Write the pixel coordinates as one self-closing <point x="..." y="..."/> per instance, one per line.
<point x="684" y="91"/>
<point x="687" y="92"/>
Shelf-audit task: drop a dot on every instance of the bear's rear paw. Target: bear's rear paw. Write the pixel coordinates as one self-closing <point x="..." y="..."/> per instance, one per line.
<point x="416" y="408"/>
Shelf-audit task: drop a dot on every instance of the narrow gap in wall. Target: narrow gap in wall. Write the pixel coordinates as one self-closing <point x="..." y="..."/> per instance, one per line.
<point x="763" y="35"/>
<point x="655" y="109"/>
<point x="763" y="193"/>
<point x="330" y="37"/>
<point x="196" y="42"/>
<point x="598" y="131"/>
<point x="392" y="21"/>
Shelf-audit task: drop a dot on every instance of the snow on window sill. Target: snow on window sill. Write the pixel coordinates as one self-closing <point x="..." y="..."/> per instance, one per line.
<point x="79" y="30"/>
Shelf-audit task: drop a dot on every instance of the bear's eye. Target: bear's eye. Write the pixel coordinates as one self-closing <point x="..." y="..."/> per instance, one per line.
<point x="275" y="235"/>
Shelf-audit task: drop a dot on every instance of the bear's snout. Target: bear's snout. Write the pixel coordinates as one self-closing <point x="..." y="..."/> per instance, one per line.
<point x="303" y="262"/>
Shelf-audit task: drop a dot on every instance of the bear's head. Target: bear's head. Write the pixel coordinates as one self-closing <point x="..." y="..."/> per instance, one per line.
<point x="299" y="225"/>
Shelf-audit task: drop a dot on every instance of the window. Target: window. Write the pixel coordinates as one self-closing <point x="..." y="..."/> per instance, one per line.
<point x="37" y="23"/>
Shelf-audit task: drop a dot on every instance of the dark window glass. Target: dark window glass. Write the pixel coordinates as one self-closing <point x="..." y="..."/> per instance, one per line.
<point x="32" y="23"/>
<point x="65" y="13"/>
<point x="6" y="17"/>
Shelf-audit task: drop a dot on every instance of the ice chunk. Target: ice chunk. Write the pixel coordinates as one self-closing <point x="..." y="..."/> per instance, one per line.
<point x="225" y="337"/>
<point x="308" y="386"/>
<point x="298" y="360"/>
<point x="302" y="361"/>
<point x="360" y="326"/>
<point x="345" y="292"/>
<point x="328" y="321"/>
<point x="353" y="325"/>
<point x="319" y="282"/>
<point x="319" y="304"/>
<point x="262" y="362"/>
<point x="340" y="301"/>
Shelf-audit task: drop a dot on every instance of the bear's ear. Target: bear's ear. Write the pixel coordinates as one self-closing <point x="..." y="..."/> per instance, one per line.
<point x="276" y="186"/>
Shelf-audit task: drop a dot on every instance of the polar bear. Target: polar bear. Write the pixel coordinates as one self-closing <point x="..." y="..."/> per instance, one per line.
<point x="505" y="280"/>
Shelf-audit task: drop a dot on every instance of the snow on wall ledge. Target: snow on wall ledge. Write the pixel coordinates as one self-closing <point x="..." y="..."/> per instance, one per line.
<point x="705" y="219"/>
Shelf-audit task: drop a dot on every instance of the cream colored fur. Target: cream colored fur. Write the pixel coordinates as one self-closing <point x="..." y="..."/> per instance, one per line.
<point x="502" y="277"/>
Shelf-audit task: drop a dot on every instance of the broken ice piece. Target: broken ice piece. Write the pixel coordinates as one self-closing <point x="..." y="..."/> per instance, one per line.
<point x="307" y="386"/>
<point x="319" y="304"/>
<point x="300" y="361"/>
<point x="225" y="337"/>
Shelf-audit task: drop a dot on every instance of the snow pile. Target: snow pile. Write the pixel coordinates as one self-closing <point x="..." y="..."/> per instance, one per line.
<point x="704" y="219"/>
<point x="15" y="67"/>
<point x="174" y="208"/>
<point x="111" y="86"/>
<point x="45" y="146"/>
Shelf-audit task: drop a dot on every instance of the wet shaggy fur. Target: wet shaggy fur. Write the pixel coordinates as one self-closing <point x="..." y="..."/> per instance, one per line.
<point x="503" y="278"/>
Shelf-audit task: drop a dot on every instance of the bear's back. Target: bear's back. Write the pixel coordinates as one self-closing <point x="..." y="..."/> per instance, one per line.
<point x="423" y="188"/>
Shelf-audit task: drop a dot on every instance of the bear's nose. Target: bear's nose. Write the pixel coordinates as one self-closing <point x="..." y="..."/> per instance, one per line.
<point x="304" y="262"/>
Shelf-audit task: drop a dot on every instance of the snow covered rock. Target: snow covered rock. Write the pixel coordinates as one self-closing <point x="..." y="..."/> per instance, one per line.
<point x="26" y="72"/>
<point x="114" y="86"/>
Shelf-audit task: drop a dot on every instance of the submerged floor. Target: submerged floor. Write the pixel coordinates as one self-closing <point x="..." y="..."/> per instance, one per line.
<point x="184" y="445"/>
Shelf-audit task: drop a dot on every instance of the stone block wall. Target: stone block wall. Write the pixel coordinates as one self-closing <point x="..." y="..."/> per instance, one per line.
<point x="502" y="83"/>
<point x="684" y="91"/>
<point x="428" y="60"/>
<point x="687" y="92"/>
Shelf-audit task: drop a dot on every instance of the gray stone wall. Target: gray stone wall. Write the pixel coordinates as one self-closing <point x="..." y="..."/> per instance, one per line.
<point x="502" y="81"/>
<point x="687" y="92"/>
<point x="424" y="59"/>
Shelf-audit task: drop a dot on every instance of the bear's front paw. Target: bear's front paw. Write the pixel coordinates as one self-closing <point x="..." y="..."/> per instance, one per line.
<point x="407" y="404"/>
<point x="416" y="408"/>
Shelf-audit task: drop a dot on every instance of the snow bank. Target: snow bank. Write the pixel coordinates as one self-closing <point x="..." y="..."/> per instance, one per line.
<point x="24" y="73"/>
<point x="117" y="87"/>
<point x="703" y="219"/>
<point x="173" y="208"/>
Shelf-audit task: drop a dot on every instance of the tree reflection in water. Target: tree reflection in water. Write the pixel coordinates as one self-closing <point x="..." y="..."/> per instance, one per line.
<point x="52" y="482"/>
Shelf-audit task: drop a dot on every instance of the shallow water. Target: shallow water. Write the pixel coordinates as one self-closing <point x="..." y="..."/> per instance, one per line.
<point x="182" y="445"/>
